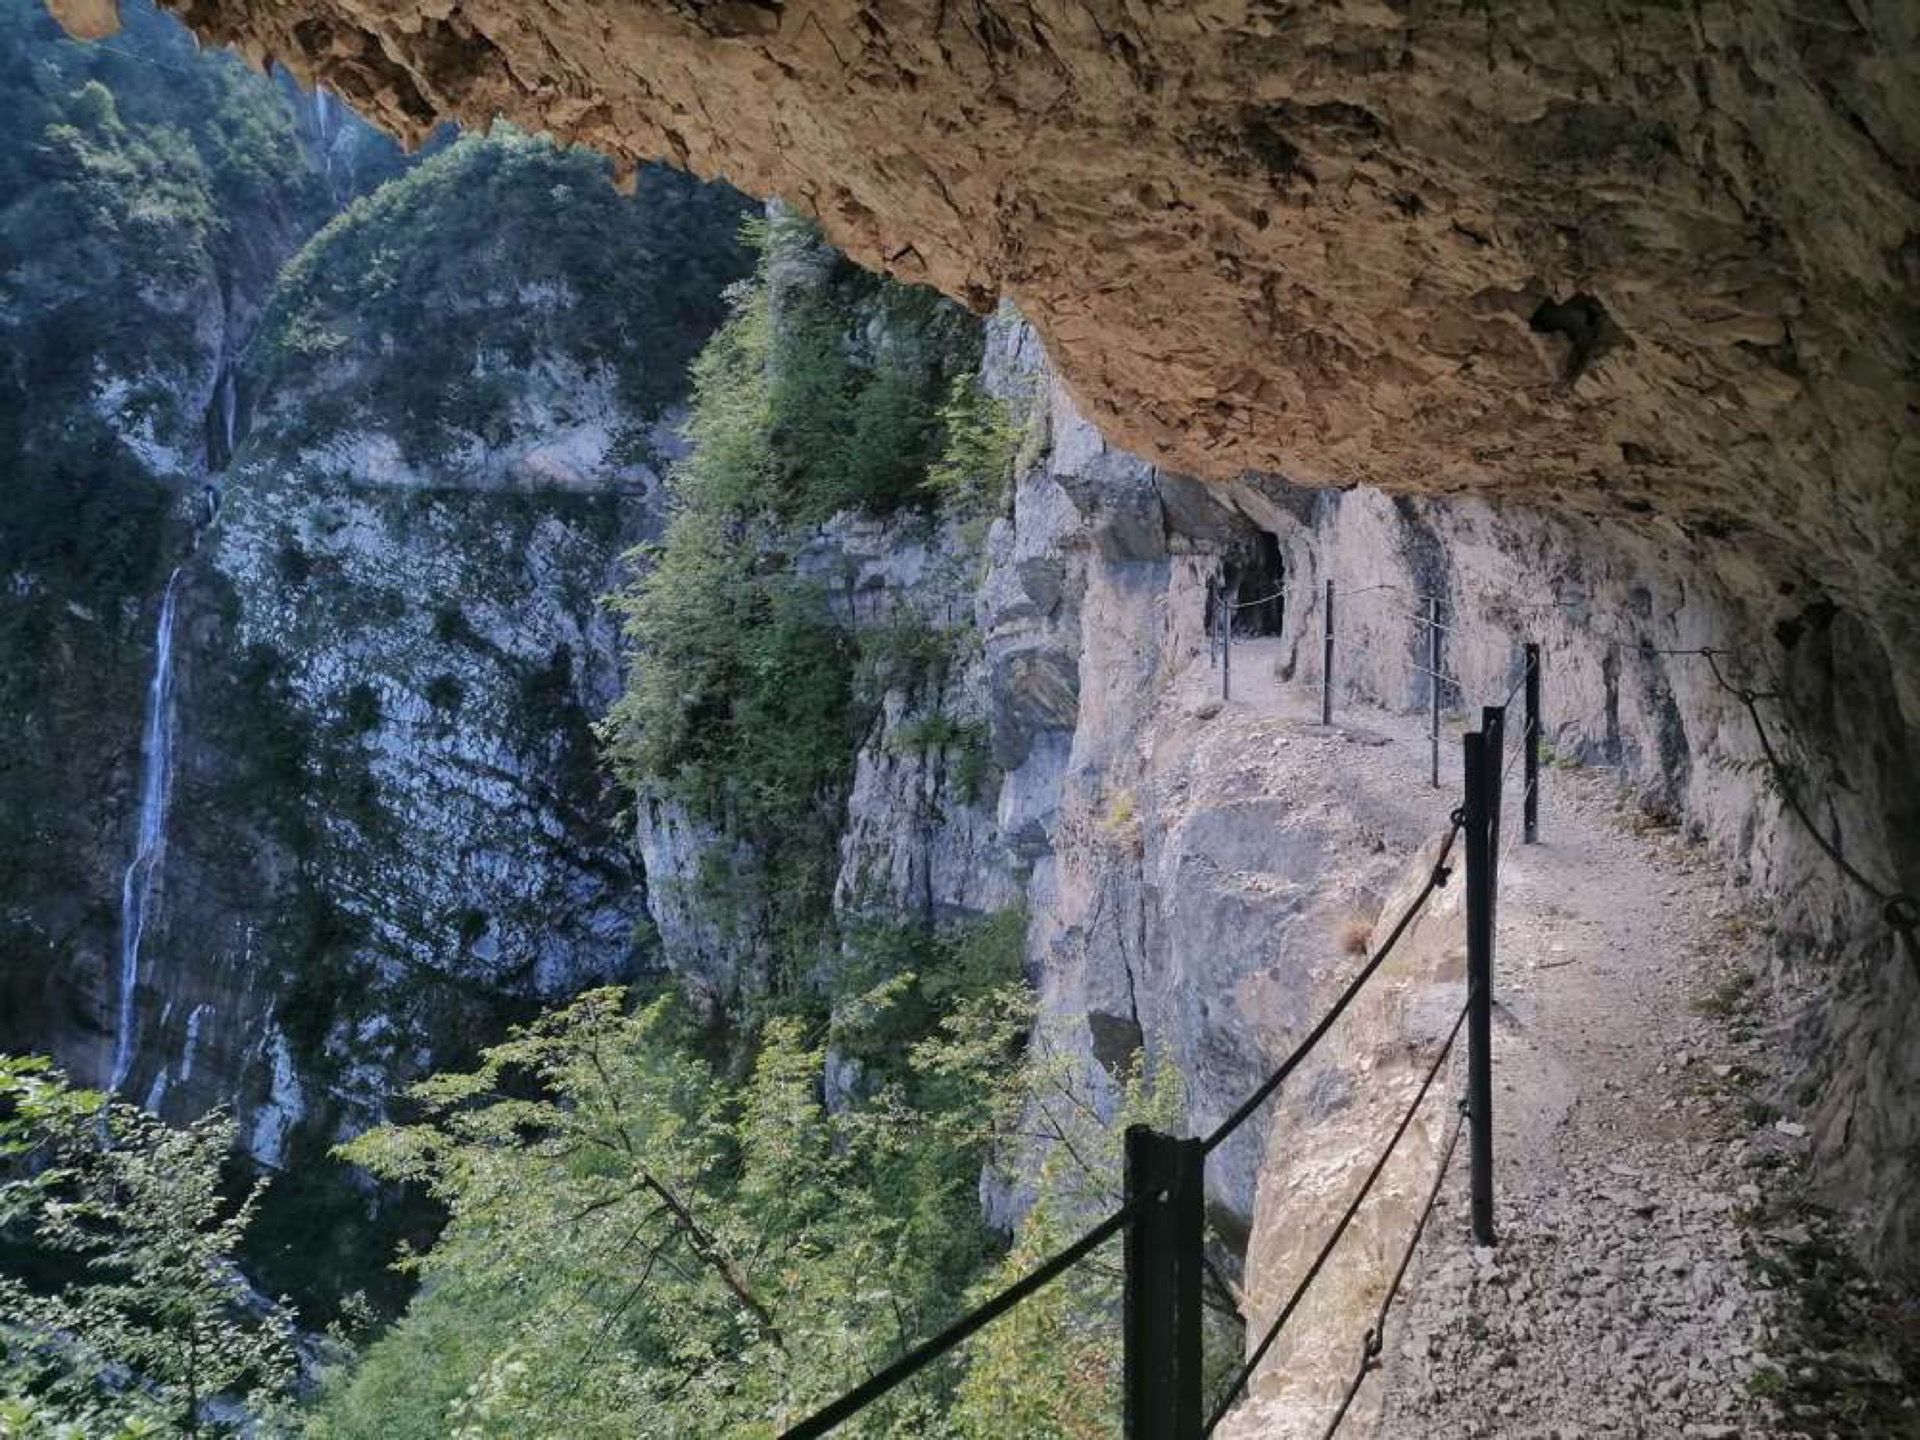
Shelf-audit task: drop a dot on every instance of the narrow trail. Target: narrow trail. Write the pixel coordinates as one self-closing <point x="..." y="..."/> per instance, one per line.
<point x="1618" y="1300"/>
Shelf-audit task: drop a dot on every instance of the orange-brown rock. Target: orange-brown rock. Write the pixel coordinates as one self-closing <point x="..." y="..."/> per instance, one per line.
<point x="87" y="19"/>
<point x="1641" y="260"/>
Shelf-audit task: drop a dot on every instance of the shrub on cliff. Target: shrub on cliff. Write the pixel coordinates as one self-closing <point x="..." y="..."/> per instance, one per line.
<point x="427" y="306"/>
<point x="819" y="394"/>
<point x="148" y="1322"/>
<point x="641" y="1248"/>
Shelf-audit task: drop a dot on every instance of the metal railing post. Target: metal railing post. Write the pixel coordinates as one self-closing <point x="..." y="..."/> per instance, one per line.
<point x="1493" y="724"/>
<point x="1326" y="663"/>
<point x="1433" y="687"/>
<point x="1212" y="623"/>
<point x="1226" y="642"/>
<point x="1530" y="798"/>
<point x="1161" y="1309"/>
<point x="1482" y="774"/>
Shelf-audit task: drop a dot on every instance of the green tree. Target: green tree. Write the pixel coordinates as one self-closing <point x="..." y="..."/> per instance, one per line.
<point x="639" y="1247"/>
<point x="151" y="1321"/>
<point x="976" y="461"/>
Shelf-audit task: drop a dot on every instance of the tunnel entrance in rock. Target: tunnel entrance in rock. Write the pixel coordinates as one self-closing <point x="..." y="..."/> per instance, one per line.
<point x="1256" y="582"/>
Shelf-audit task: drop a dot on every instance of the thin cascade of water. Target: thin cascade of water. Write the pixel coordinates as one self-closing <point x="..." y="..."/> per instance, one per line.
<point x="229" y="409"/>
<point x="323" y="129"/>
<point x="156" y="789"/>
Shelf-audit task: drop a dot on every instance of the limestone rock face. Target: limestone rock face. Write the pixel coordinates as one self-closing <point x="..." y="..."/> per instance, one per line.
<point x="390" y="834"/>
<point x="1197" y="868"/>
<point x="1656" y="264"/>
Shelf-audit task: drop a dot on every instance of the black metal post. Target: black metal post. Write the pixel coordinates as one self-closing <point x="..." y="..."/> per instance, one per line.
<point x="1481" y="774"/>
<point x="1530" y="801"/>
<point x="1433" y="687"/>
<point x="1161" y="1309"/>
<point x="1212" y="622"/>
<point x="1326" y="664"/>
<point x="1226" y="642"/>
<point x="1493" y="723"/>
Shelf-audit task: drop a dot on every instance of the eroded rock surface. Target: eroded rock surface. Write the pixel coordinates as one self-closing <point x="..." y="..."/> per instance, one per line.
<point x="1656" y="264"/>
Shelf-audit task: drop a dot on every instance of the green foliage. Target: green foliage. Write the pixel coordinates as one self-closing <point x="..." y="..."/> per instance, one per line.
<point x="445" y="692"/>
<point x="360" y="711"/>
<point x="814" y="397"/>
<point x="856" y="371"/>
<point x="740" y="702"/>
<point x="136" y="1213"/>
<point x="975" y="466"/>
<point x="937" y="731"/>
<point x="903" y="652"/>
<point x="424" y="305"/>
<point x="320" y="1237"/>
<point x="895" y="984"/>
<point x="638" y="1249"/>
<point x="1050" y="1369"/>
<point x="148" y="172"/>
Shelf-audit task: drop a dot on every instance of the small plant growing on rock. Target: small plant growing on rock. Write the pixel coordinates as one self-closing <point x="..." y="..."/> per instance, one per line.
<point x="1355" y="933"/>
<point x="1120" y="822"/>
<point x="1728" y="996"/>
<point x="976" y="461"/>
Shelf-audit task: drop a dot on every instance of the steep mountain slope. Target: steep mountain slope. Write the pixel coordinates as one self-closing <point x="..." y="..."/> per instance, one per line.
<point x="391" y="833"/>
<point x="306" y="551"/>
<point x="147" y="196"/>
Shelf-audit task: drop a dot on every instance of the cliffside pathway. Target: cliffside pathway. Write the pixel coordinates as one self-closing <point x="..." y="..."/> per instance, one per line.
<point x="1632" y="1164"/>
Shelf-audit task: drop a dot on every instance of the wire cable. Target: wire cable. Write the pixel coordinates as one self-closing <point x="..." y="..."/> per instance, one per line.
<point x="1899" y="909"/>
<point x="1435" y="675"/>
<point x="1245" y="1372"/>
<point x="1370" y="1346"/>
<point x="1249" y="604"/>
<point x="924" y="1354"/>
<point x="1435" y="879"/>
<point x="1514" y="759"/>
<point x="1517" y="831"/>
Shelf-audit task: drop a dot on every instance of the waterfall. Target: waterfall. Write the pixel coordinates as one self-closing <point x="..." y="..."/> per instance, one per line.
<point x="198" y="1014"/>
<point x="223" y="421"/>
<point x="323" y="130"/>
<point x="156" y="786"/>
<point x="229" y="407"/>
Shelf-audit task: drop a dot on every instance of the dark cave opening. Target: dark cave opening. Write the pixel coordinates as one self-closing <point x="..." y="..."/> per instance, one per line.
<point x="1255" y="581"/>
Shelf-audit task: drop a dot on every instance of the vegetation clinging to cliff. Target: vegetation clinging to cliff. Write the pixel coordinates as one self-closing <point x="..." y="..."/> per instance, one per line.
<point x="423" y="305"/>
<point x="820" y="394"/>
<point x="140" y="178"/>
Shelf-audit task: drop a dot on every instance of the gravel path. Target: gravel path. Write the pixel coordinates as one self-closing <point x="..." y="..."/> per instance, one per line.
<point x="1642" y="1192"/>
<point x="1619" y="1300"/>
<point x="1659" y="1272"/>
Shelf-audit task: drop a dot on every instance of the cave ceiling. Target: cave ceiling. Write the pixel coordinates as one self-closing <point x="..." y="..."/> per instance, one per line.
<point x="1656" y="263"/>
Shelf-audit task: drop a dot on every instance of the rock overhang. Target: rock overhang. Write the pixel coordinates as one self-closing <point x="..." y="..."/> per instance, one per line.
<point x="1657" y="265"/>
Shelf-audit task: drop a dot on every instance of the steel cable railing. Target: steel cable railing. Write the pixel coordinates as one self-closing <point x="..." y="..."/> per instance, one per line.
<point x="925" y="1353"/>
<point x="1252" y="1362"/>
<point x="1171" y="1173"/>
<point x="1374" y="1341"/>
